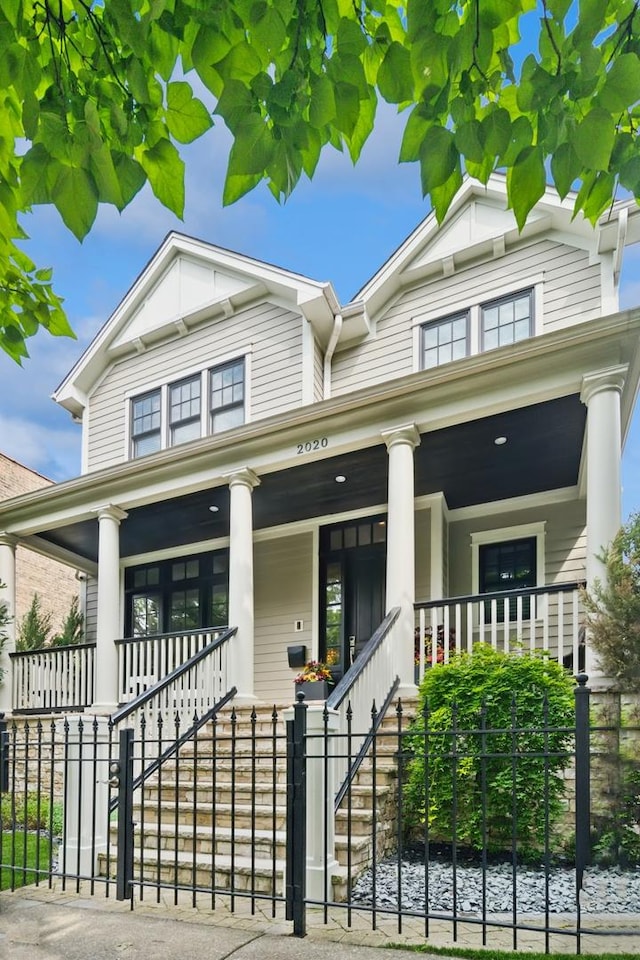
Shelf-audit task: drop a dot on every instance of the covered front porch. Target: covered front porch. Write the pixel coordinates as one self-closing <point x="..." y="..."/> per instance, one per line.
<point x="471" y="528"/>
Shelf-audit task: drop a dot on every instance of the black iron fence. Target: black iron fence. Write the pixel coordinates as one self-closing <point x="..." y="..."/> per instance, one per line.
<point x="442" y="828"/>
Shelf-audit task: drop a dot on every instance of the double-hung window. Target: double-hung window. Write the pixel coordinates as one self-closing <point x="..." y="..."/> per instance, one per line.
<point x="227" y="396"/>
<point x="184" y="410"/>
<point x="510" y="565"/>
<point x="445" y="340"/>
<point x="179" y="412"/>
<point x="146" y="423"/>
<point x="507" y="320"/>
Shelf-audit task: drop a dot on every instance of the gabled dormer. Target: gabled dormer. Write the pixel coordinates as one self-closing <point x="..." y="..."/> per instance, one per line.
<point x="206" y="340"/>
<point x="476" y="283"/>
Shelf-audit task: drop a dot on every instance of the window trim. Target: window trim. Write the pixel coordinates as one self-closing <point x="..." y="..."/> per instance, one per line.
<point x="473" y="307"/>
<point x="230" y="406"/>
<point x="523" y="531"/>
<point x="148" y="433"/>
<point x="449" y="318"/>
<point x="497" y="302"/>
<point x="164" y="387"/>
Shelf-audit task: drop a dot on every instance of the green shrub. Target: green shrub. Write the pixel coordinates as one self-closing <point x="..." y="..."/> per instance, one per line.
<point x="614" y="608"/>
<point x="72" y="629"/>
<point x="34" y="630"/>
<point x="33" y="812"/>
<point x="516" y="696"/>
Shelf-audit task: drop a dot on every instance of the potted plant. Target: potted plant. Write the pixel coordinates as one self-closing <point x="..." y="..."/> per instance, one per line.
<point x="314" y="680"/>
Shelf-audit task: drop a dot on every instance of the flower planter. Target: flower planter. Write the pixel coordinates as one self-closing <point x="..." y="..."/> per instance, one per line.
<point x="313" y="689"/>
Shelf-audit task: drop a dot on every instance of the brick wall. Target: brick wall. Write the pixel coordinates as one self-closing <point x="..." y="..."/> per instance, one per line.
<point x="54" y="582"/>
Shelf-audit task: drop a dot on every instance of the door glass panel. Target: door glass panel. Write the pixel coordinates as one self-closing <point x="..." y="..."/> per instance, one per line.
<point x="219" y="606"/>
<point x="333" y="614"/>
<point x="379" y="531"/>
<point x="350" y="537"/>
<point x="184" y="611"/>
<point x="364" y="534"/>
<point x="146" y="612"/>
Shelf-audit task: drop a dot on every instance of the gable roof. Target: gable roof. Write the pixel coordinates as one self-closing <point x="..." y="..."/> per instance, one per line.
<point x="478" y="223"/>
<point x="188" y="281"/>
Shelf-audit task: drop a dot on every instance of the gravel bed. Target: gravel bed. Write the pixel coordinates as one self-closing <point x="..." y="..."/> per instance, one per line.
<point x="605" y="891"/>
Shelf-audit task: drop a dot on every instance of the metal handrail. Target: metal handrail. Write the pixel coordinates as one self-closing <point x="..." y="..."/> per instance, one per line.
<point x="345" y="685"/>
<point x="501" y="595"/>
<point x="152" y="691"/>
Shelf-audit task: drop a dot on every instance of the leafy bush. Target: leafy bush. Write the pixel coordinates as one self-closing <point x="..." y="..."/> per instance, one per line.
<point x="33" y="812"/>
<point x="484" y="719"/>
<point x="614" y="608"/>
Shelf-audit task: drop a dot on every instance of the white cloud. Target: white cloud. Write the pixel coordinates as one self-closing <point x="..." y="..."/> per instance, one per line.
<point x="52" y="452"/>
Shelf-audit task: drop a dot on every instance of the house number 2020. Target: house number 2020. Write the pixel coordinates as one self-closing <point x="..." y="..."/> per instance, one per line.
<point x="310" y="445"/>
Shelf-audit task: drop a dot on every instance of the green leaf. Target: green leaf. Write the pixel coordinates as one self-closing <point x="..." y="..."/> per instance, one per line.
<point x="439" y="158"/>
<point x="38" y="171"/>
<point x="322" y="107"/>
<point x="442" y="196"/>
<point x="187" y="117"/>
<point x="165" y="171"/>
<point x="622" y="87"/>
<point x="414" y="134"/>
<point x="395" y="77"/>
<point x="252" y="149"/>
<point x="75" y="196"/>
<point x="565" y="168"/>
<point x="526" y="182"/>
<point x="468" y="141"/>
<point x="131" y="176"/>
<point x="496" y="130"/>
<point x="593" y="139"/>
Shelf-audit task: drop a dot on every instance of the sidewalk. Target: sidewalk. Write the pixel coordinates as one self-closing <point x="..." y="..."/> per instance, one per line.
<point x="41" y="924"/>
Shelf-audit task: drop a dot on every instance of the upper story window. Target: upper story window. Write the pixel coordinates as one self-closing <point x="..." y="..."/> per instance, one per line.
<point x="445" y="340"/>
<point x="175" y="413"/>
<point x="483" y="326"/>
<point x="184" y="410"/>
<point x="227" y="396"/>
<point x="507" y="320"/>
<point x="146" y="423"/>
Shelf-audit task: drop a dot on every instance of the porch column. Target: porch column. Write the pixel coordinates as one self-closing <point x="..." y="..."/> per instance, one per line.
<point x="8" y="596"/>
<point x="108" y="620"/>
<point x="401" y="588"/>
<point x="241" y="613"/>
<point x="601" y="393"/>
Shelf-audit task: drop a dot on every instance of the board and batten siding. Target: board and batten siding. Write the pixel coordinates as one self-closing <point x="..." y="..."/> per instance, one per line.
<point x="571" y="293"/>
<point x="565" y="542"/>
<point x="273" y="336"/>
<point x="91" y="609"/>
<point x="283" y="590"/>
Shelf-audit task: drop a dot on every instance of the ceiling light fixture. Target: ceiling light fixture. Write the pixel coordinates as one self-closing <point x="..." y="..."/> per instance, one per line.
<point x="213" y="508"/>
<point x="499" y="441"/>
<point x="340" y="478"/>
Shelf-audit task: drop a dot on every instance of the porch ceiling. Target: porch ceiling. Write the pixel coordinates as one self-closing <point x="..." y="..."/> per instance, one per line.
<point x="542" y="452"/>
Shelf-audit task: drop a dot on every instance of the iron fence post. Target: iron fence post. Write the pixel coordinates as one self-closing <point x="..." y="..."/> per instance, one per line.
<point x="4" y="755"/>
<point x="583" y="779"/>
<point x="296" y="866"/>
<point x="124" y="874"/>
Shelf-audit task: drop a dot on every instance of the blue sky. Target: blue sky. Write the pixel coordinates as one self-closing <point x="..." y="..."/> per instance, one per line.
<point x="341" y="227"/>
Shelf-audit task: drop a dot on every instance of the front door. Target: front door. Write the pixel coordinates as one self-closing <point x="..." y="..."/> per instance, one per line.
<point x="352" y="583"/>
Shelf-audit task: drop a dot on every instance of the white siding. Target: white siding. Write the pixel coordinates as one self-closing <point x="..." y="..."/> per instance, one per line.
<point x="571" y="294"/>
<point x="283" y="576"/>
<point x="273" y="336"/>
<point x="91" y="609"/>
<point x="565" y="542"/>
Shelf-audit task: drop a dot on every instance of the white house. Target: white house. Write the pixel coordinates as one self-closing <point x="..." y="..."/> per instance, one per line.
<point x="257" y="455"/>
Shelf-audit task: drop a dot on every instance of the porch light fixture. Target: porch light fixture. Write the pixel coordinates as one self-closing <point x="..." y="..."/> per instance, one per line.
<point x="213" y="508"/>
<point x="499" y="441"/>
<point x="340" y="478"/>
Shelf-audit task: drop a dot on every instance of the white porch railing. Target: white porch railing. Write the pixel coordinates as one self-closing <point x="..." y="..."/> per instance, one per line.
<point x="54" y="678"/>
<point x="168" y="706"/>
<point x="143" y="661"/>
<point x="542" y="618"/>
<point x="372" y="678"/>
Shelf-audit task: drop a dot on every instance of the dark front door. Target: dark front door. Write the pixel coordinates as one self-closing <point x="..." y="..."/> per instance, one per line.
<point x="353" y="562"/>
